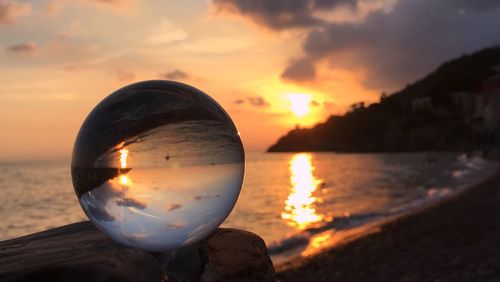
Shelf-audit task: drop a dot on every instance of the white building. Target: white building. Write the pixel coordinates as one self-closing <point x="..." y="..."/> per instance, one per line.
<point x="464" y="102"/>
<point x="421" y="104"/>
<point x="487" y="111"/>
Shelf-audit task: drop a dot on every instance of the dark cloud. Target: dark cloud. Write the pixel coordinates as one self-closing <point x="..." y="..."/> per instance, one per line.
<point x="26" y="48"/>
<point x="476" y="5"/>
<point x="130" y="202"/>
<point x="333" y="4"/>
<point x="173" y="207"/>
<point x="392" y="47"/>
<point x="315" y="103"/>
<point x="258" y="101"/>
<point x="10" y="11"/>
<point x="283" y="14"/>
<point x="400" y="46"/>
<point x="200" y="197"/>
<point x="276" y="14"/>
<point x="300" y="70"/>
<point x="176" y="75"/>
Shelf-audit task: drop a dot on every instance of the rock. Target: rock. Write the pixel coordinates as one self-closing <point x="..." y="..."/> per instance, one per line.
<point x="79" y="252"/>
<point x="235" y="255"/>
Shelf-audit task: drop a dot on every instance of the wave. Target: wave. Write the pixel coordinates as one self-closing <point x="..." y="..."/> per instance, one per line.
<point x="466" y="168"/>
<point x="301" y="239"/>
<point x="468" y="165"/>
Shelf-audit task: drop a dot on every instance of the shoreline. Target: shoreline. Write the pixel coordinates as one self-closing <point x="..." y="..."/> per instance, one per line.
<point x="333" y="238"/>
<point x="457" y="244"/>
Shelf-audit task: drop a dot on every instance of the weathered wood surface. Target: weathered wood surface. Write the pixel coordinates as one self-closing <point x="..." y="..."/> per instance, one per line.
<point x="75" y="252"/>
<point x="79" y="252"/>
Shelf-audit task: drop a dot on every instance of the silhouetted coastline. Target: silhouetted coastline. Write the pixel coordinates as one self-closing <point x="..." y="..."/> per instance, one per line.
<point x="455" y="108"/>
<point x="86" y="179"/>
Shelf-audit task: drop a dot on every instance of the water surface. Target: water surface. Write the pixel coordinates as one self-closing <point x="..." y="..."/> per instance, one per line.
<point x="291" y="200"/>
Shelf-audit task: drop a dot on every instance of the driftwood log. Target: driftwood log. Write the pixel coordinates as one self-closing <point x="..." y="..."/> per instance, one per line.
<point x="79" y="252"/>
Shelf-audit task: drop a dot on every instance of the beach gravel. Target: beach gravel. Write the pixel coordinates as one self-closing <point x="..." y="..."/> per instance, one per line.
<point x="456" y="240"/>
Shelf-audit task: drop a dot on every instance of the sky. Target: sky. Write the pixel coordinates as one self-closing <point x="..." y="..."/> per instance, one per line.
<point x="272" y="64"/>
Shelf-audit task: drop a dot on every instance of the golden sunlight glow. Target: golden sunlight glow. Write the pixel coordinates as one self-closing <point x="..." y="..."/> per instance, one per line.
<point x="124" y="180"/>
<point x="299" y="207"/>
<point x="321" y="241"/>
<point x="123" y="157"/>
<point x="299" y="104"/>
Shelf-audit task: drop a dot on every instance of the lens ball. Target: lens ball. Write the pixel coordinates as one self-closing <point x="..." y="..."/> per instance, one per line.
<point x="157" y="165"/>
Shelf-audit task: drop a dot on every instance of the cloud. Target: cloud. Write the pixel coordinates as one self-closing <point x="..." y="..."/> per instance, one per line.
<point x="397" y="47"/>
<point x="300" y="70"/>
<point x="130" y="202"/>
<point x="71" y="30"/>
<point x="394" y="42"/>
<point x="166" y="32"/>
<point x="123" y="75"/>
<point x="71" y="52"/>
<point x="258" y="101"/>
<point x="112" y="3"/>
<point x="201" y="197"/>
<point x="272" y="13"/>
<point x="219" y="44"/>
<point x="315" y="103"/>
<point x="10" y="11"/>
<point x="24" y="48"/>
<point x="282" y="14"/>
<point x="109" y="2"/>
<point x="99" y="213"/>
<point x="176" y="75"/>
<point x="53" y="7"/>
<point x="173" y="207"/>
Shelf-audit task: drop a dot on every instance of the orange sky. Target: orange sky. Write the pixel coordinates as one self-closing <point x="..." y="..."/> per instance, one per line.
<point x="59" y="58"/>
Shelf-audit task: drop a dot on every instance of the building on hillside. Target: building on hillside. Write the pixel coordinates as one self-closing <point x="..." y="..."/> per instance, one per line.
<point x="421" y="105"/>
<point x="464" y="103"/>
<point x="491" y="84"/>
<point x="487" y="112"/>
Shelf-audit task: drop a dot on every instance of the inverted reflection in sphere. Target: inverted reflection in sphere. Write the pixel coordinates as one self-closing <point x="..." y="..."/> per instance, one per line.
<point x="157" y="165"/>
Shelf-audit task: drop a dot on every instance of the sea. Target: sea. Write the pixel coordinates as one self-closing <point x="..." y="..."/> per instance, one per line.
<point x="297" y="202"/>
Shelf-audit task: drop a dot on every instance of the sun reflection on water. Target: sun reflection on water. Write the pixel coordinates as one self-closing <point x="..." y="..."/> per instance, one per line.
<point x="123" y="158"/>
<point x="299" y="206"/>
<point x="124" y="180"/>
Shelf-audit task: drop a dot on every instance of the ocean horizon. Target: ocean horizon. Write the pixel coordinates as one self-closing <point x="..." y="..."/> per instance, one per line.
<point x="294" y="201"/>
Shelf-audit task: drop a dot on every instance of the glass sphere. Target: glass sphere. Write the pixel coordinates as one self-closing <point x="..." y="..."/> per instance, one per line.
<point x="157" y="165"/>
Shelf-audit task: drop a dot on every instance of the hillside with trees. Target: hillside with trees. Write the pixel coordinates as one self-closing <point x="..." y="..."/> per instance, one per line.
<point x="394" y="123"/>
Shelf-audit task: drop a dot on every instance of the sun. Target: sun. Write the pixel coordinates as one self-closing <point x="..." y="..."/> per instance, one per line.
<point x="299" y="104"/>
